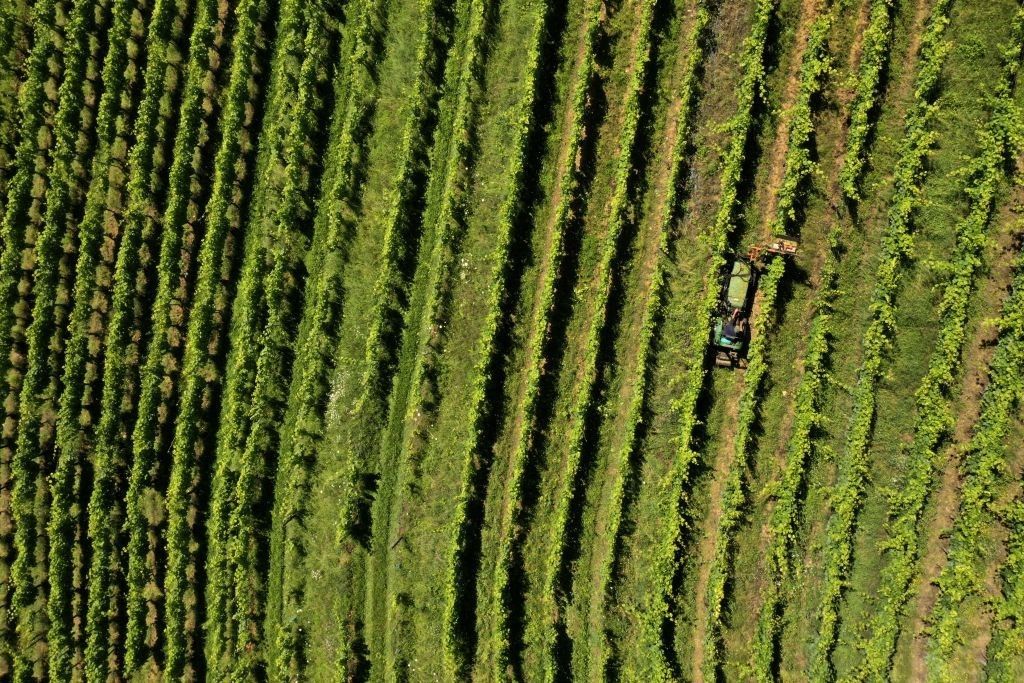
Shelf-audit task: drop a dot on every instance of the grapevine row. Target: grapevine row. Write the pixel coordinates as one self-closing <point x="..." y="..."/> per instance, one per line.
<point x="146" y="437"/>
<point x="896" y="245"/>
<point x="198" y="367"/>
<point x="618" y="214"/>
<point x="568" y="181"/>
<point x="110" y="449"/>
<point x="304" y="426"/>
<point x="368" y="432"/>
<point x="61" y="525"/>
<point x="934" y="420"/>
<point x="985" y="470"/>
<point x="1007" y="645"/>
<point x="655" y="611"/>
<point x="247" y="317"/>
<point x="487" y="358"/>
<point x="799" y="164"/>
<point x="391" y="288"/>
<point x="448" y="224"/>
<point x="27" y="468"/>
<point x="874" y="60"/>
<point x="807" y="416"/>
<point x="282" y="291"/>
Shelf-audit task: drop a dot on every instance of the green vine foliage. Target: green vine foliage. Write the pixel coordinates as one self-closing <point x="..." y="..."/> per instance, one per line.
<point x="655" y="610"/>
<point x="1000" y="141"/>
<point x="815" y="67"/>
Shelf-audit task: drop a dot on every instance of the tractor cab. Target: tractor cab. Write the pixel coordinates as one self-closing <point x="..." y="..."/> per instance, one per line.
<point x="732" y="327"/>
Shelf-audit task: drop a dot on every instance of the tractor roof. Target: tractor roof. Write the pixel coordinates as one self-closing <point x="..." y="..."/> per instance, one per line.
<point x="739" y="284"/>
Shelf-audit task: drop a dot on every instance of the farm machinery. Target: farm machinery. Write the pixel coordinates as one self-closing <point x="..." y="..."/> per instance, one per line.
<point x="732" y="317"/>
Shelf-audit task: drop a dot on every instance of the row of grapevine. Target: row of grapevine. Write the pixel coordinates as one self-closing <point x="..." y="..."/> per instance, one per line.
<point x="148" y="436"/>
<point x="784" y="515"/>
<point x="594" y="654"/>
<point x="282" y="295"/>
<point x="896" y="245"/>
<point x="1005" y="651"/>
<point x="799" y="164"/>
<point x="391" y="325"/>
<point x="13" y="24"/>
<point x="495" y="598"/>
<point x="63" y="640"/>
<point x="453" y="158"/>
<point x="110" y="449"/>
<point x="999" y="140"/>
<point x="808" y="399"/>
<point x="873" y="63"/>
<point x="28" y="502"/>
<point x="391" y="288"/>
<point x="655" y="609"/>
<point x="304" y="423"/>
<point x="248" y="315"/>
<point x="199" y="368"/>
<point x="511" y="213"/>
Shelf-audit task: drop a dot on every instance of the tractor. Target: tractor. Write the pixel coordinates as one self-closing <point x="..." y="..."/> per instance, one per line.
<point x="732" y="317"/>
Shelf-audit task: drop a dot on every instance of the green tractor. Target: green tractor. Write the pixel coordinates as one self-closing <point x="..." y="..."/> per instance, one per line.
<point x="732" y="324"/>
<point x="732" y="319"/>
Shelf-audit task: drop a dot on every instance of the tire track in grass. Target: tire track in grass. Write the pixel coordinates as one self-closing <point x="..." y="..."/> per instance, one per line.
<point x="520" y="427"/>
